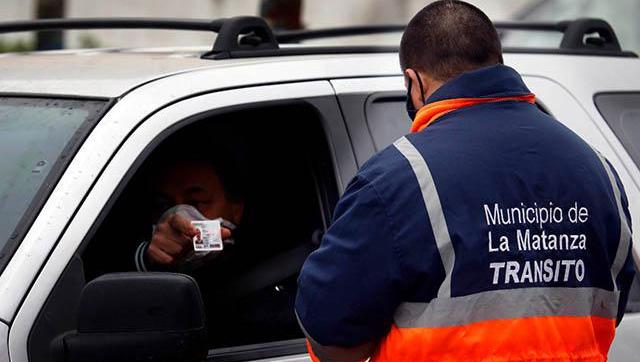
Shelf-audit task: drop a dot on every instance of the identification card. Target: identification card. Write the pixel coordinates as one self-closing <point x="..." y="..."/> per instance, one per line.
<point x="208" y="237"/>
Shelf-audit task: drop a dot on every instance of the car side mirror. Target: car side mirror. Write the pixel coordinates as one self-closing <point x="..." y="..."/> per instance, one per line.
<point x="137" y="317"/>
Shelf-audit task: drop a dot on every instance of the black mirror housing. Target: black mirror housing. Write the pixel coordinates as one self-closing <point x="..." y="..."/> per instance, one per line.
<point x="137" y="317"/>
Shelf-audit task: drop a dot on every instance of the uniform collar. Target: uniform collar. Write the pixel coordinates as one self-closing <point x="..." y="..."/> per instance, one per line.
<point x="491" y="84"/>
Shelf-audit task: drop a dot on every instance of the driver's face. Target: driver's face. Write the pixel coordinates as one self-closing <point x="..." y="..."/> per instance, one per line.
<point x="194" y="183"/>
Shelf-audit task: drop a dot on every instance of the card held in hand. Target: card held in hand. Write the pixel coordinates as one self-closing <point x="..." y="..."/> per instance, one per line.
<point x="209" y="237"/>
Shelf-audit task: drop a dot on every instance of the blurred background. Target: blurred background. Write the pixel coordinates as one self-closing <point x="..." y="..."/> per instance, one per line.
<point x="294" y="14"/>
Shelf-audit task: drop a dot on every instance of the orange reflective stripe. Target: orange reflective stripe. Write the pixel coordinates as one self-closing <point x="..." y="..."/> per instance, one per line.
<point x="312" y="355"/>
<point x="520" y="339"/>
<point x="432" y="111"/>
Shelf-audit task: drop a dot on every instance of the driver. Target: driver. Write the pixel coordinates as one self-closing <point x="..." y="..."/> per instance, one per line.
<point x="189" y="181"/>
<point x="209" y="178"/>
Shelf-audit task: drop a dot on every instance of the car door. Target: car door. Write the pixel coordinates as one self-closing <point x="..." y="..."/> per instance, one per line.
<point x="318" y="95"/>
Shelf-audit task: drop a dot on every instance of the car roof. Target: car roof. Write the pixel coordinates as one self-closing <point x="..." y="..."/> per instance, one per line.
<point x="111" y="73"/>
<point x="93" y="72"/>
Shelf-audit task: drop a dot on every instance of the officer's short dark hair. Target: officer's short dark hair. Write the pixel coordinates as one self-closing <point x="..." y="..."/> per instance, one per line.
<point x="449" y="37"/>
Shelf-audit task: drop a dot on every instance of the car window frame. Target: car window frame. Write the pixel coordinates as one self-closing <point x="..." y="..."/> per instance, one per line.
<point x="352" y="94"/>
<point x="256" y="352"/>
<point x="355" y="96"/>
<point x="166" y="121"/>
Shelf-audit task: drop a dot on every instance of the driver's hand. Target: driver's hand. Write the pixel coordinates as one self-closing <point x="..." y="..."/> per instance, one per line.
<point x="172" y="240"/>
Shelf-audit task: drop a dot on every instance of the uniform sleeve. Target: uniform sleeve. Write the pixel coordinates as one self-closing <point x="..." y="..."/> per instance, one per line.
<point x="350" y="287"/>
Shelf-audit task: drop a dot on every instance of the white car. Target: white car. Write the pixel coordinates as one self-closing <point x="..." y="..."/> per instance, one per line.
<point x="78" y="130"/>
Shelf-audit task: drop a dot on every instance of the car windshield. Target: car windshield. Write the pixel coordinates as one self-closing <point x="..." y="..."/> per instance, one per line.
<point x="34" y="133"/>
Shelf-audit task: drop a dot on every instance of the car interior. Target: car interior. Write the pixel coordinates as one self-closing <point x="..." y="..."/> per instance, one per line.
<point x="279" y="156"/>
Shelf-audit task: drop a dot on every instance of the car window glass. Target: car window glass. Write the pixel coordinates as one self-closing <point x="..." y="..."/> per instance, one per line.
<point x="33" y="134"/>
<point x="621" y="111"/>
<point x="387" y="118"/>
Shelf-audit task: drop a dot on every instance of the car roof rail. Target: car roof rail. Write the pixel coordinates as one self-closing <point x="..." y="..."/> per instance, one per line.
<point x="242" y="33"/>
<point x="588" y="36"/>
<point x="296" y="36"/>
<point x="583" y="33"/>
<point x="588" y="33"/>
<point x="251" y="36"/>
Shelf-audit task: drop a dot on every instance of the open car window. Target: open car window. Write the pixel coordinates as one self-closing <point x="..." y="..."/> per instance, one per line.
<point x="279" y="157"/>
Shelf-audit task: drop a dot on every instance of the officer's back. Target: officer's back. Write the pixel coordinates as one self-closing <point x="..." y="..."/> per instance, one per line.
<point x="492" y="232"/>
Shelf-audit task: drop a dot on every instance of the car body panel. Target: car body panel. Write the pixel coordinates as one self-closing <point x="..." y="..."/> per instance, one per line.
<point x="626" y="344"/>
<point x="115" y="171"/>
<point x="94" y="73"/>
<point x="4" y="342"/>
<point x="296" y="358"/>
<point x="112" y="73"/>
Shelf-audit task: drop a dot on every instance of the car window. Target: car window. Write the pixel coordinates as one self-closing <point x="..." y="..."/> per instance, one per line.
<point x="282" y="170"/>
<point x="33" y="134"/>
<point x="387" y="118"/>
<point x="621" y="111"/>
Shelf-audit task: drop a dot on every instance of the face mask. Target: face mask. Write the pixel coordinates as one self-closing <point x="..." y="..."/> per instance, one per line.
<point x="411" y="109"/>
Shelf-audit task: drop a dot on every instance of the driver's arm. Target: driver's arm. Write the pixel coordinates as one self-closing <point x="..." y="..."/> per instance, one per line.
<point x="170" y="243"/>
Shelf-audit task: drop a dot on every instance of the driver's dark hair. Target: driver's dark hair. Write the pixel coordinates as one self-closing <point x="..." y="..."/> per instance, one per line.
<point x="449" y="37"/>
<point x="198" y="145"/>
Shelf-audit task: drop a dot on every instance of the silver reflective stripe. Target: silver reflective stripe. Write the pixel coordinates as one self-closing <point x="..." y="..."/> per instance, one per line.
<point x="139" y="256"/>
<point x="625" y="230"/>
<point x="508" y="304"/>
<point x="434" y="210"/>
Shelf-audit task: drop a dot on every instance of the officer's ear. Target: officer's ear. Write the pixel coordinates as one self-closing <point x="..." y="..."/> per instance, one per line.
<point x="417" y="88"/>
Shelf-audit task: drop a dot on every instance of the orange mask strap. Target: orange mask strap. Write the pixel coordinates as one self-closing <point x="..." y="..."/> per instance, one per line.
<point x="432" y="111"/>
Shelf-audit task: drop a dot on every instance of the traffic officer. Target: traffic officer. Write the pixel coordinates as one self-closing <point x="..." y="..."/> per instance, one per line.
<point x="491" y="232"/>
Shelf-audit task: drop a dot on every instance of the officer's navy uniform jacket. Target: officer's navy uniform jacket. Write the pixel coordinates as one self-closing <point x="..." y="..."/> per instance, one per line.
<point x="493" y="233"/>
